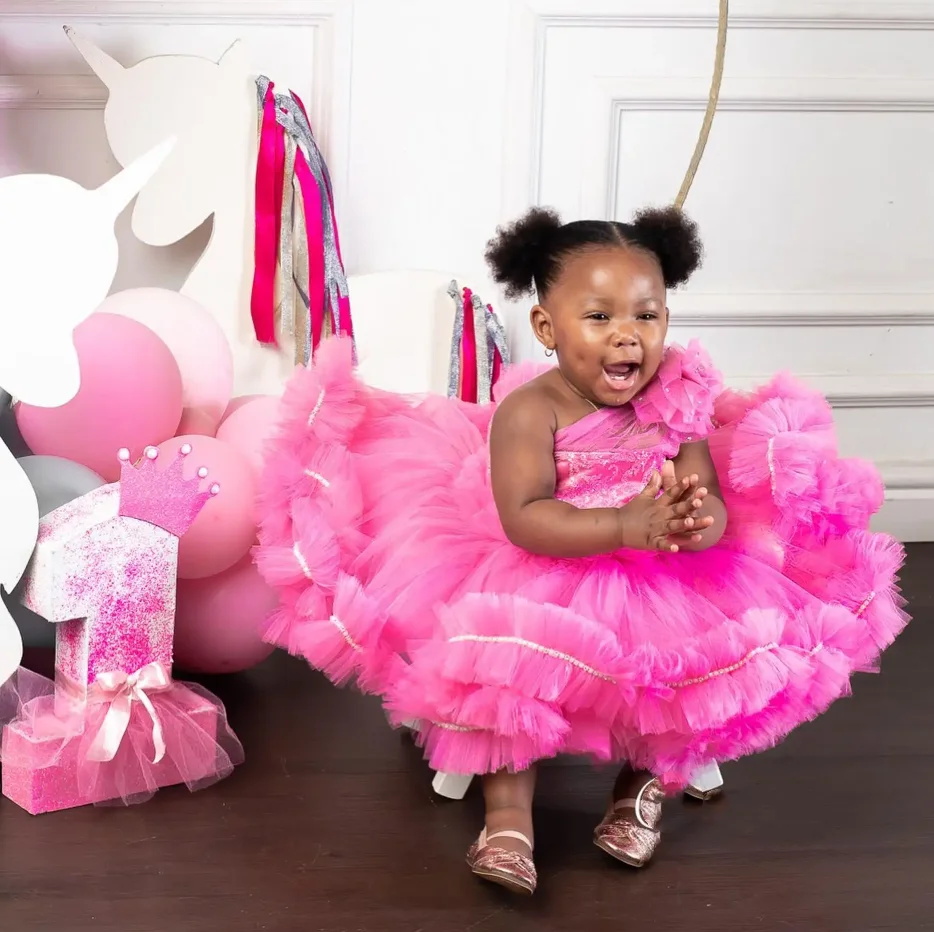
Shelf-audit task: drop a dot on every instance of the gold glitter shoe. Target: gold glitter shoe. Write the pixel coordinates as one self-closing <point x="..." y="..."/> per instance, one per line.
<point x="630" y="831"/>
<point x="509" y="869"/>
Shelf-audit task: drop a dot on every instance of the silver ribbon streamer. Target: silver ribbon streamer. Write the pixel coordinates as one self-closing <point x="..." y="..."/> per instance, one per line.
<point x="286" y="309"/>
<point x="496" y="334"/>
<point x="262" y="85"/>
<point x="300" y="277"/>
<point x="294" y="122"/>
<point x="454" y="368"/>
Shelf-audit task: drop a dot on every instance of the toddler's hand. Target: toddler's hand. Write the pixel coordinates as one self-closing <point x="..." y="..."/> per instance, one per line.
<point x="692" y="535"/>
<point x="650" y="520"/>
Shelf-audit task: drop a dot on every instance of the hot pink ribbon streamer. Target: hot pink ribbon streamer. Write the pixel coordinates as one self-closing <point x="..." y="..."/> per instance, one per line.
<point x="121" y="690"/>
<point x="469" y="352"/>
<point x="268" y="208"/>
<point x="314" y="225"/>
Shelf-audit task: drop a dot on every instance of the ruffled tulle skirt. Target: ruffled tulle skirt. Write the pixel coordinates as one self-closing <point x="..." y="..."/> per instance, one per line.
<point x="380" y="533"/>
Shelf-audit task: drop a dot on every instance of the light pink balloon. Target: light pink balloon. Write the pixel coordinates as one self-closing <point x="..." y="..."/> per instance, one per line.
<point x="197" y="342"/>
<point x="197" y="421"/>
<point x="130" y="396"/>
<point x="248" y="428"/>
<point x="237" y="403"/>
<point x="218" y="620"/>
<point x="225" y="529"/>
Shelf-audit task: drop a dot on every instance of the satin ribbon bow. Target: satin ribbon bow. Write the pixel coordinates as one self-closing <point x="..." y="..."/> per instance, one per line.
<point x="121" y="690"/>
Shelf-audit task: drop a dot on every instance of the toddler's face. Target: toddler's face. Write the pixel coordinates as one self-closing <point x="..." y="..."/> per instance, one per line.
<point x="607" y="320"/>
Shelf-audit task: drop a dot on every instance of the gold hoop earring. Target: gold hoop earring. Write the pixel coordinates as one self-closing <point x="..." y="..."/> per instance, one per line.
<point x="549" y="351"/>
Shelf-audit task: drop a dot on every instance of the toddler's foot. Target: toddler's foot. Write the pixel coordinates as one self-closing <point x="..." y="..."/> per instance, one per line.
<point x="508" y="823"/>
<point x="508" y="862"/>
<point x="630" y="830"/>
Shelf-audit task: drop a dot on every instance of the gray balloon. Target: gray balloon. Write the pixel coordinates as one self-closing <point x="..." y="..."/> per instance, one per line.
<point x="9" y="429"/>
<point x="57" y="481"/>
<point x="34" y="629"/>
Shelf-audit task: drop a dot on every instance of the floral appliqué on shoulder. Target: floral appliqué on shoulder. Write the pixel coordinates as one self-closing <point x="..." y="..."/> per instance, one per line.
<point x="683" y="392"/>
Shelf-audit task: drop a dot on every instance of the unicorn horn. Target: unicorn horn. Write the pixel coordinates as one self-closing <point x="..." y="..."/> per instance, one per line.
<point x="122" y="188"/>
<point x="234" y="54"/>
<point x="106" y="68"/>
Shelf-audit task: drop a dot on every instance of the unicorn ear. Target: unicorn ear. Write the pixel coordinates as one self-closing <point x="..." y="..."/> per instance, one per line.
<point x="106" y="68"/>
<point x="114" y="195"/>
<point x="234" y="57"/>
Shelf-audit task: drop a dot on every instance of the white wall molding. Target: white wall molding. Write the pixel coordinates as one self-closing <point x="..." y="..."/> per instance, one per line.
<point x="817" y="309"/>
<point x="267" y="13"/>
<point x="532" y="21"/>
<point x="908" y="511"/>
<point x="744" y="14"/>
<point x="609" y="99"/>
<point x="906" y="390"/>
<point x="51" y="92"/>
<point x="907" y="476"/>
<point x="820" y="94"/>
<point x="907" y="514"/>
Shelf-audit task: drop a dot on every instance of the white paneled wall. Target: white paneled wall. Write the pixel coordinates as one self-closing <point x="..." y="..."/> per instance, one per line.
<point x="442" y="118"/>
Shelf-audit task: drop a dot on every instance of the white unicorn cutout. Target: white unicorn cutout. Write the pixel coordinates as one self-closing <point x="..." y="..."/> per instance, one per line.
<point x="58" y="258"/>
<point x="211" y="107"/>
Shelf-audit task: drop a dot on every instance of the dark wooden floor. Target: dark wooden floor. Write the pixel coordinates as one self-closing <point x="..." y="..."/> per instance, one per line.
<point x="331" y="826"/>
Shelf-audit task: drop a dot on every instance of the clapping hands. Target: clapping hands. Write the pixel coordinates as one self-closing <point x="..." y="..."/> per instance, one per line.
<point x="666" y="521"/>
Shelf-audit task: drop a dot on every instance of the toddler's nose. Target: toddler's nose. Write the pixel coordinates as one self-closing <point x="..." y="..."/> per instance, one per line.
<point x="625" y="336"/>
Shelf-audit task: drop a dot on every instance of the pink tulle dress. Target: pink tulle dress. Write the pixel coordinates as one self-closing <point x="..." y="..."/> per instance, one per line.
<point x="380" y="532"/>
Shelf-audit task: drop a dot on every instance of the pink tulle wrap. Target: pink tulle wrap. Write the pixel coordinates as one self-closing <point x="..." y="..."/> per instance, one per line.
<point x="53" y="761"/>
<point x="379" y="530"/>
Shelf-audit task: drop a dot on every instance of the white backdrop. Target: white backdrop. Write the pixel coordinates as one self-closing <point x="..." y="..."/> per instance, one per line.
<point x="442" y="118"/>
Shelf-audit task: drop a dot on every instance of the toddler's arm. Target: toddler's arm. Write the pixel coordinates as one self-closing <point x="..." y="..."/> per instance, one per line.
<point x="522" y="467"/>
<point x="694" y="459"/>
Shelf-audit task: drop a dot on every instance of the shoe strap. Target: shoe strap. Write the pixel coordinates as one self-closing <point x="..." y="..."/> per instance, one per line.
<point x="518" y="836"/>
<point x="635" y="805"/>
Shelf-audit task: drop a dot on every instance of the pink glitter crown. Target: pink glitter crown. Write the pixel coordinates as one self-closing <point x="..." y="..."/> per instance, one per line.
<point x="164" y="497"/>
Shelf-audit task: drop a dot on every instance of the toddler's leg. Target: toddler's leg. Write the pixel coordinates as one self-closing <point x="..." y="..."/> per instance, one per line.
<point x="508" y="862"/>
<point x="630" y="831"/>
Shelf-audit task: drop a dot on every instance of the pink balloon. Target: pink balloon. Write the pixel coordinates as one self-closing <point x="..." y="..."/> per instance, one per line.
<point x="237" y="403"/>
<point x="197" y="342"/>
<point x="130" y="396"/>
<point x="218" y="620"/>
<point x="197" y="421"/>
<point x="225" y="529"/>
<point x="248" y="428"/>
